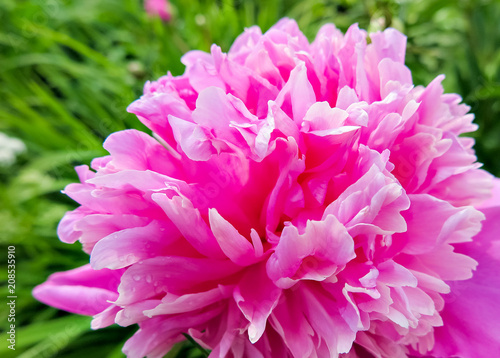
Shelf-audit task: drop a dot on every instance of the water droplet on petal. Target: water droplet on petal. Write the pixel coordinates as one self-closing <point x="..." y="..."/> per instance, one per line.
<point x="130" y="259"/>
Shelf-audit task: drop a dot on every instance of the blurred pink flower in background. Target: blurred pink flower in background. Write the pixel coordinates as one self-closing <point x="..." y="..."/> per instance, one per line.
<point x="296" y="199"/>
<point x="159" y="8"/>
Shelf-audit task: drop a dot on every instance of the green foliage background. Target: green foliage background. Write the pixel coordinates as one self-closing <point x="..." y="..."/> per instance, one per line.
<point x="68" y="70"/>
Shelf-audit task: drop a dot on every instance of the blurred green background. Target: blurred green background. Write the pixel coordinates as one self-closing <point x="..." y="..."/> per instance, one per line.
<point x="68" y="70"/>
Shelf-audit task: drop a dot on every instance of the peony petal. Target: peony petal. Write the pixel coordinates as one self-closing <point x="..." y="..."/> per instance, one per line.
<point x="173" y="304"/>
<point x="189" y="222"/>
<point x="132" y="149"/>
<point x="256" y="296"/>
<point x="147" y="278"/>
<point x="82" y="290"/>
<point x="471" y="312"/>
<point x="235" y="246"/>
<point x="319" y="253"/>
<point x="126" y="247"/>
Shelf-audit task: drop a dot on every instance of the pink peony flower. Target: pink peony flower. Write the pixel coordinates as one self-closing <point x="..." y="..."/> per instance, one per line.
<point x="159" y="8"/>
<point x="296" y="200"/>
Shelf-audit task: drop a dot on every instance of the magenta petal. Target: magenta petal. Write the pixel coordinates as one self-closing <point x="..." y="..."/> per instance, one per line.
<point x="105" y="318"/>
<point x="471" y="312"/>
<point x="95" y="227"/>
<point x="192" y="139"/>
<point x="153" y="110"/>
<point x="326" y="319"/>
<point x="190" y="223"/>
<point x="494" y="200"/>
<point x="390" y="44"/>
<point x="444" y="224"/>
<point x="173" y="304"/>
<point x="82" y="290"/>
<point x="294" y="329"/>
<point x="236" y="247"/>
<point x="256" y="296"/>
<point x="391" y="71"/>
<point x="319" y="253"/>
<point x="65" y="229"/>
<point x="147" y="278"/>
<point x="128" y="246"/>
<point x="297" y="95"/>
<point x="147" y="341"/>
<point x="135" y="312"/>
<point x="132" y="149"/>
<point x="393" y="274"/>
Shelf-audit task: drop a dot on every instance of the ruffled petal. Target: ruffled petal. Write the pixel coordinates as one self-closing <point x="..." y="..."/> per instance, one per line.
<point x="82" y="290"/>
